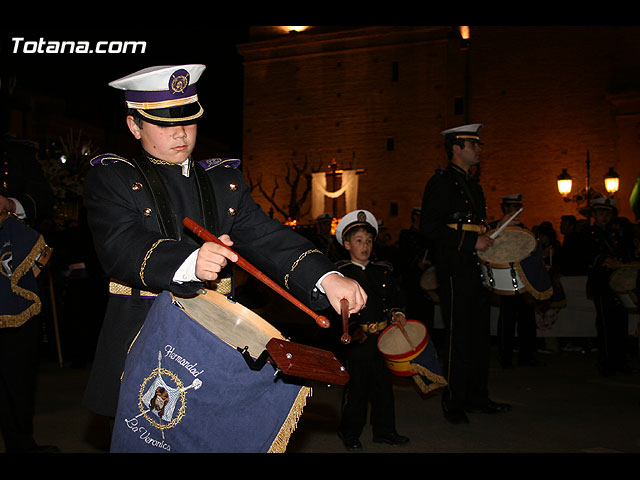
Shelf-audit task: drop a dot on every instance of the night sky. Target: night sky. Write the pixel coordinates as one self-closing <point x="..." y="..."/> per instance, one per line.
<point x="81" y="78"/>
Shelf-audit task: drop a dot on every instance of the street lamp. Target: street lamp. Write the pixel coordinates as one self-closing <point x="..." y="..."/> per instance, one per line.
<point x="611" y="181"/>
<point x="565" y="184"/>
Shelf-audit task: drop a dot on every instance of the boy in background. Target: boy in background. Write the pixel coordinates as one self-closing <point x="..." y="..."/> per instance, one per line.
<point x="370" y="379"/>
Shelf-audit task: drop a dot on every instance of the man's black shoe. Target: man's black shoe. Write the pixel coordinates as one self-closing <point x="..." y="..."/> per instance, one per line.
<point x="351" y="443"/>
<point x="455" y="417"/>
<point x="391" y="439"/>
<point x="489" y="407"/>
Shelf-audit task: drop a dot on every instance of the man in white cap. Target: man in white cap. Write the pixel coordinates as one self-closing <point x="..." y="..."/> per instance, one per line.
<point x="605" y="255"/>
<point x="136" y="207"/>
<point x="517" y="310"/>
<point x="454" y="219"/>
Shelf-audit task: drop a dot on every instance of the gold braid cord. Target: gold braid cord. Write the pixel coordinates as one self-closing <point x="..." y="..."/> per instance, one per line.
<point x="281" y="441"/>
<point x="21" y="271"/>
<point x="438" y="380"/>
<point x="295" y="264"/>
<point x="148" y="254"/>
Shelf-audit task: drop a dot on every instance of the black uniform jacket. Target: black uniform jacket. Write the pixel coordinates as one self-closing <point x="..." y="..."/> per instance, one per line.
<point x="452" y="198"/>
<point x="603" y="244"/>
<point x="134" y="251"/>
<point x="383" y="294"/>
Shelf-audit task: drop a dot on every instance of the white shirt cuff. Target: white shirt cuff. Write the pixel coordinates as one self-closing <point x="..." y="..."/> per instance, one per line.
<point x="187" y="271"/>
<point x="319" y="282"/>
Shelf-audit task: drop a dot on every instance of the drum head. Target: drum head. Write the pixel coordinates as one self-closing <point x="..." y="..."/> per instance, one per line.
<point x="429" y="279"/>
<point x="231" y="322"/>
<point x="624" y="279"/>
<point x="393" y="344"/>
<point x="512" y="245"/>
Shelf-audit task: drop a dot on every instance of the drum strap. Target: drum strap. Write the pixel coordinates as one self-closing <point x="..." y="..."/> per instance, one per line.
<point x="207" y="199"/>
<point x="166" y="214"/>
<point x="166" y="219"/>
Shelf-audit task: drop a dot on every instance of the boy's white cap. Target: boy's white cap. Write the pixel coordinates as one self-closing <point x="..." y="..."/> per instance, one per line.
<point x="357" y="218"/>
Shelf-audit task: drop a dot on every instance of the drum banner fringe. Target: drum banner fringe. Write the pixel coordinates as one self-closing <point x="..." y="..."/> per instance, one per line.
<point x="535" y="277"/>
<point x="291" y="423"/>
<point x="319" y="191"/>
<point x="185" y="390"/>
<point x="413" y="355"/>
<point x="19" y="245"/>
<point x="426" y="370"/>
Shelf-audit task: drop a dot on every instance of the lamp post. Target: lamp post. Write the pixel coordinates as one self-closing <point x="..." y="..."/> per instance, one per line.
<point x="565" y="184"/>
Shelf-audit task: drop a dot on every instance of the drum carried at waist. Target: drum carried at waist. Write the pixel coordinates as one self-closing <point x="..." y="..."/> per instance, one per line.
<point x="408" y="351"/>
<point x="429" y="283"/>
<point x="197" y="379"/>
<point x="514" y="264"/>
<point x="624" y="282"/>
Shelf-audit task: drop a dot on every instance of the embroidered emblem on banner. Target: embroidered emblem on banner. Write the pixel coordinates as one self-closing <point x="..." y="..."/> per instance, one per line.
<point x="162" y="402"/>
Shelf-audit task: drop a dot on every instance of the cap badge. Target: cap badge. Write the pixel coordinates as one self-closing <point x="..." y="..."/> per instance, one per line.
<point x="179" y="81"/>
<point x="362" y="217"/>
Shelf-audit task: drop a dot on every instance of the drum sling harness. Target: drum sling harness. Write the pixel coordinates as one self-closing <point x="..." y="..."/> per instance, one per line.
<point x="167" y="220"/>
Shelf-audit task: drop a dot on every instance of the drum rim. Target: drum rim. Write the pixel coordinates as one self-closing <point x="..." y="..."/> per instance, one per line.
<point x="408" y="355"/>
<point x="508" y="265"/>
<point x="248" y="315"/>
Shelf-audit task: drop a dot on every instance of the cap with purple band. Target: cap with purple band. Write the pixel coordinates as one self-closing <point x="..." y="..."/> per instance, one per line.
<point x="164" y="95"/>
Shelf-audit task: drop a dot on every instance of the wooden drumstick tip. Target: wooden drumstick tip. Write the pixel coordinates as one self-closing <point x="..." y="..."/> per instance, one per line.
<point x="345" y="339"/>
<point x="322" y="321"/>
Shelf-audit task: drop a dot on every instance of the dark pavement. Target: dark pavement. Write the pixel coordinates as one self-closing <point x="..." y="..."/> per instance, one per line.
<point x="564" y="406"/>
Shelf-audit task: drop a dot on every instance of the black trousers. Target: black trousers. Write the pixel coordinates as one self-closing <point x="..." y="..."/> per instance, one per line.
<point x="18" y="370"/>
<point x="516" y="312"/>
<point x="466" y="313"/>
<point x="612" y="325"/>
<point x="370" y="381"/>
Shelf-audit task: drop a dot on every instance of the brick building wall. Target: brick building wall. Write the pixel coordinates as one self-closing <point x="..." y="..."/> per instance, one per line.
<point x="377" y="97"/>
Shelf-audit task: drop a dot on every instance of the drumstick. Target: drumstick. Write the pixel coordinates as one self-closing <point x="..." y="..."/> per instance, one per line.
<point x="344" y="310"/>
<point x="406" y="336"/>
<point x="321" y="320"/>
<point x="504" y="225"/>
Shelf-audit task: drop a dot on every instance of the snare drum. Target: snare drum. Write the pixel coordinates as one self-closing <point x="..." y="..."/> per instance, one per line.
<point x="624" y="282"/>
<point x="514" y="264"/>
<point x="429" y="283"/>
<point x="187" y="388"/>
<point x="412" y="355"/>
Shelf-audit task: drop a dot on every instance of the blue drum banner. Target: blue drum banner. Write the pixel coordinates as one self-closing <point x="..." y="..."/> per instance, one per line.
<point x="186" y="390"/>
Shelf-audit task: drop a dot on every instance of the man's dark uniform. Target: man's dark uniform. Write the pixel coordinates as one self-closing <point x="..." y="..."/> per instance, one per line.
<point x="612" y="321"/>
<point x="453" y="215"/>
<point x="516" y="310"/>
<point x="454" y="198"/>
